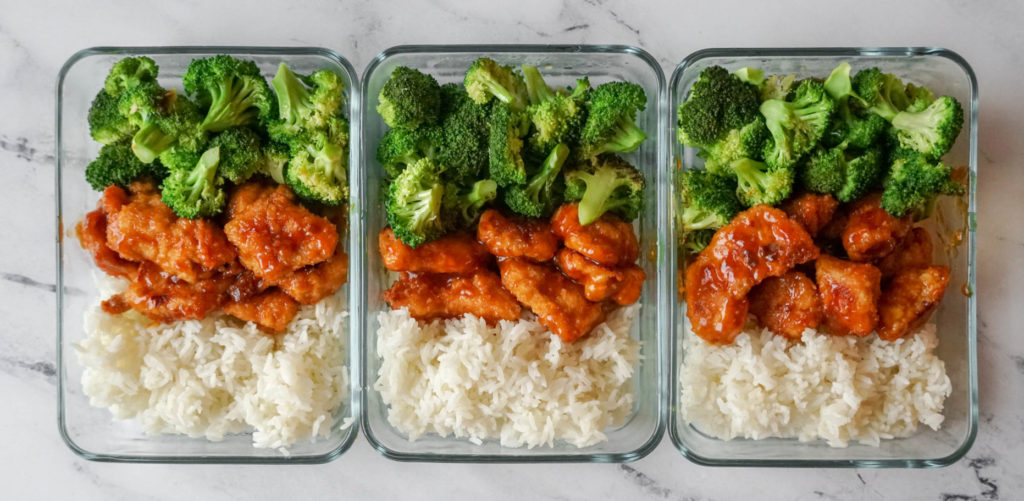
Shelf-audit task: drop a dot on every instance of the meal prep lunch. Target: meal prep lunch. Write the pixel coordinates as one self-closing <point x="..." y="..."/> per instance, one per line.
<point x="810" y="253"/>
<point x="511" y="254"/>
<point x="218" y="232"/>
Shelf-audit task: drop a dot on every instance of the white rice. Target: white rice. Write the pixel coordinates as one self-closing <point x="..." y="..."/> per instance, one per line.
<point x="834" y="388"/>
<point x="515" y="382"/>
<point x="217" y="376"/>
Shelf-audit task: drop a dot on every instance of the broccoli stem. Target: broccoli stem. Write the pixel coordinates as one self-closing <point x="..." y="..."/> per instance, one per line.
<point x="204" y="174"/>
<point x="549" y="170"/>
<point x="150" y="141"/>
<point x="536" y="88"/>
<point x="600" y="185"/>
<point x="627" y="137"/>
<point x="292" y="94"/>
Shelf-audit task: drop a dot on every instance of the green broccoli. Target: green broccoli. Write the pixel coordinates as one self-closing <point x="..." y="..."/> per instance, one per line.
<point x="409" y="98"/>
<point x="300" y="107"/>
<point x="275" y="160"/>
<point x="841" y="172"/>
<point x="128" y="73"/>
<point x="176" y="122"/>
<point x="542" y="193"/>
<point x="752" y="76"/>
<point x="233" y="91"/>
<point x="505" y="146"/>
<point x="932" y="130"/>
<point x="695" y="241"/>
<point x="745" y="142"/>
<point x="557" y="118"/>
<point x="318" y="168"/>
<point x="796" y="126"/>
<point x="461" y="208"/>
<point x="486" y="79"/>
<point x="884" y="93"/>
<point x="777" y="87"/>
<point x="196" y="191"/>
<point x="719" y="102"/>
<point x="143" y="102"/>
<point x="460" y="141"/>
<point x="241" y="154"/>
<point x="914" y="182"/>
<point x="116" y="164"/>
<point x="706" y="200"/>
<point x="413" y="203"/>
<point x="758" y="183"/>
<point x="106" y="123"/>
<point x="849" y="125"/>
<point x="401" y="147"/>
<point x="611" y="119"/>
<point x="608" y="184"/>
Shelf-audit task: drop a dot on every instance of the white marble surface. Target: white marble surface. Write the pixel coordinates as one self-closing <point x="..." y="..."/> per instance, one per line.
<point x="36" y="37"/>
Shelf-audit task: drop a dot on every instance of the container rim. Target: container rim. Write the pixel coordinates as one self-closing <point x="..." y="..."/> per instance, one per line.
<point x="352" y="339"/>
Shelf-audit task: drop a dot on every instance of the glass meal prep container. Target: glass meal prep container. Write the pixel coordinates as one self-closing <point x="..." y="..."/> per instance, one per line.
<point x="946" y="73"/>
<point x="92" y="432"/>
<point x="560" y="65"/>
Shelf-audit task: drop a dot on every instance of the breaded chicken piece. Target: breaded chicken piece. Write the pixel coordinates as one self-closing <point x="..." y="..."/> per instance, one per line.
<point x="516" y="237"/>
<point x="871" y="233"/>
<point x="141" y="227"/>
<point x="430" y="296"/>
<point x="558" y="302"/>
<point x="909" y="300"/>
<point x="165" y="298"/>
<point x="811" y="210"/>
<point x="92" y="235"/>
<point x="272" y="310"/>
<point x="311" y="284"/>
<point x="608" y="241"/>
<point x="458" y="253"/>
<point x="622" y="285"/>
<point x="849" y="295"/>
<point x="275" y="235"/>
<point x="758" y="243"/>
<point x="916" y="250"/>
<point x="786" y="305"/>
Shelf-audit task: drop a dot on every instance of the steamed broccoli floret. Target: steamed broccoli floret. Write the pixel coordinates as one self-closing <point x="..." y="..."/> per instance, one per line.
<point x="914" y="182"/>
<point x="505" y="146"/>
<point x="752" y="76"/>
<point x="460" y="141"/>
<point x="486" y="79"/>
<point x="608" y="184"/>
<point x="175" y="123"/>
<point x="409" y="98"/>
<point x="462" y="207"/>
<point x="413" y="203"/>
<point x="542" y="193"/>
<point x="233" y="91"/>
<point x="611" y="119"/>
<point x="241" y="154"/>
<point x="106" y="123"/>
<point x="777" y="87"/>
<point x="116" y="164"/>
<point x="305" y="102"/>
<point x="719" y="102"/>
<point x="883" y="93"/>
<point x="557" y="118"/>
<point x="932" y="130"/>
<point x="841" y="172"/>
<point x="128" y="73"/>
<point x="796" y="126"/>
<point x="849" y="124"/>
<point x="695" y="241"/>
<point x="275" y="161"/>
<point x="745" y="142"/>
<point x="318" y="168"/>
<point x="196" y="191"/>
<point x="758" y="183"/>
<point x="143" y="102"/>
<point x="401" y="147"/>
<point x="706" y="200"/>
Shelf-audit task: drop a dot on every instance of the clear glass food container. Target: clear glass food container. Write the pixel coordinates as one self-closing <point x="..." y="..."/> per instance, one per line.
<point x="560" y="65"/>
<point x="946" y="73"/>
<point x="92" y="432"/>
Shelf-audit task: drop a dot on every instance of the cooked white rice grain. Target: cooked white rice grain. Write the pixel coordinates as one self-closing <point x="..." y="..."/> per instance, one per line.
<point x="516" y="381"/>
<point x="834" y="388"/>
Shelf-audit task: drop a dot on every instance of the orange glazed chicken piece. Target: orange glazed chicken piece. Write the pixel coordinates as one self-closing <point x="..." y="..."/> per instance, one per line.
<point x="758" y="243"/>
<point x="166" y="298"/>
<point x="915" y="251"/>
<point x="909" y="299"/>
<point x="849" y="295"/>
<point x="871" y="233"/>
<point x="311" y="284"/>
<point x="430" y="296"/>
<point x="786" y="305"/>
<point x="275" y="235"/>
<point x="811" y="210"/>
<point x="515" y="237"/>
<point x="140" y="227"/>
<point x="558" y="302"/>
<point x="455" y="253"/>
<point x="608" y="241"/>
<point x="622" y="285"/>
<point x="92" y="234"/>
<point x="272" y="310"/>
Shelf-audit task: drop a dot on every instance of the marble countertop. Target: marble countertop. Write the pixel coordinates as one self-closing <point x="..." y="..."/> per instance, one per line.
<point x="37" y="37"/>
